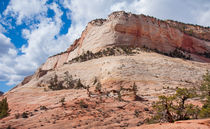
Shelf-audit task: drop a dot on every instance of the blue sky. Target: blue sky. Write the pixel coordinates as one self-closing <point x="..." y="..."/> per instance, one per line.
<point x="32" y="30"/>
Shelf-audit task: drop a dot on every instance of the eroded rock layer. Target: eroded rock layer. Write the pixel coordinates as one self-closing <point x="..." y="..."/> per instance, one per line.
<point x="126" y="29"/>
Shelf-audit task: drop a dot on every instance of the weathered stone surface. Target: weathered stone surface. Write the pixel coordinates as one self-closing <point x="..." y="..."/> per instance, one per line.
<point x="132" y="30"/>
<point x="91" y="108"/>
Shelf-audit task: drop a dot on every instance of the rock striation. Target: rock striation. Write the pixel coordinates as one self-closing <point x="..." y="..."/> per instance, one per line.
<point x="126" y="29"/>
<point x="111" y="75"/>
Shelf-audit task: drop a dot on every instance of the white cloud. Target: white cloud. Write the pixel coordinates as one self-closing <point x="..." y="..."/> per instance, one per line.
<point x="26" y="9"/>
<point x="84" y="11"/>
<point x="5" y="44"/>
<point x="2" y="29"/>
<point x="7" y="54"/>
<point x="41" y="41"/>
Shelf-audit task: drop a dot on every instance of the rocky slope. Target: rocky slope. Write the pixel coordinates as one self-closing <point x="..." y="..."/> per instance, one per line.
<point x="91" y="84"/>
<point x="128" y="29"/>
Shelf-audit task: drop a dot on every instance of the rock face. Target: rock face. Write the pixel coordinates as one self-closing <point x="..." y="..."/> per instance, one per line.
<point x="108" y="85"/>
<point x="126" y="29"/>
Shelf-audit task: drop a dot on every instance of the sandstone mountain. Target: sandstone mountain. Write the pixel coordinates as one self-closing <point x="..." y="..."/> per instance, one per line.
<point x="82" y="87"/>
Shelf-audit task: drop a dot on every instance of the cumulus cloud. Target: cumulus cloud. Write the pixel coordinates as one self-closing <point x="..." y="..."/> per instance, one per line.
<point x="41" y="41"/>
<point x="2" y="29"/>
<point x="44" y="39"/>
<point x="26" y="9"/>
<point x="195" y="12"/>
<point x="7" y="53"/>
<point x="5" y="44"/>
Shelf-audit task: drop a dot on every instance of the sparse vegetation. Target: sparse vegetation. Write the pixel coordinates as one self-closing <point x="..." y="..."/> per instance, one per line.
<point x="62" y="101"/>
<point x="98" y="87"/>
<point x="135" y="90"/>
<point x="79" y="85"/>
<point x="136" y="113"/>
<point x="95" y="81"/>
<point x="17" y="116"/>
<point x="180" y="54"/>
<point x="205" y="54"/>
<point x="4" y="108"/>
<point x="83" y="104"/>
<point x="127" y="50"/>
<point x="119" y="94"/>
<point x="205" y="89"/>
<point x="174" y="107"/>
<point x="24" y="115"/>
<point x="67" y="83"/>
<point x="10" y="127"/>
<point x="55" y="84"/>
<point x="190" y="29"/>
<point x="43" y="108"/>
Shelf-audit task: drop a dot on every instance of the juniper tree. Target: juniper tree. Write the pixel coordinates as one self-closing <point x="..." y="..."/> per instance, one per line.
<point x="4" y="108"/>
<point x="205" y="89"/>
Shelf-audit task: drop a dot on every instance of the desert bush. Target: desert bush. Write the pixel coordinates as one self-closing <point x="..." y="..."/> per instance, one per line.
<point x="95" y="81"/>
<point x="17" y="116"/>
<point x="174" y="107"/>
<point x="207" y="55"/>
<point x="205" y="90"/>
<point x="119" y="94"/>
<point x="62" y="101"/>
<point x="83" y="104"/>
<point x="79" y="85"/>
<point x="180" y="54"/>
<point x="67" y="83"/>
<point x="55" y="84"/>
<point x="98" y="87"/>
<point x="24" y="115"/>
<point x="4" y="108"/>
<point x="88" y="91"/>
<point x="205" y="86"/>
<point x="69" y="80"/>
<point x="10" y="127"/>
<point x="43" y="108"/>
<point x="136" y="113"/>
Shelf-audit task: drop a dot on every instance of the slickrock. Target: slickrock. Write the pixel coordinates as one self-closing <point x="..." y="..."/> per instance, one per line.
<point x="109" y="77"/>
<point x="122" y="28"/>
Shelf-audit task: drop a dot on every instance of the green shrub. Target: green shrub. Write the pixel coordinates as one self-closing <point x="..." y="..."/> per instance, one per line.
<point x="136" y="113"/>
<point x="71" y="83"/>
<point x="69" y="80"/>
<point x="83" y="104"/>
<point x="62" y="101"/>
<point x="98" y="87"/>
<point x="174" y="107"/>
<point x="205" y="86"/>
<point x="205" y="110"/>
<point x="43" y="108"/>
<point x="4" y="108"/>
<point x="17" y="116"/>
<point x="79" y="85"/>
<point x="24" y="115"/>
<point x="180" y="54"/>
<point x="55" y="84"/>
<point x="205" y="89"/>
